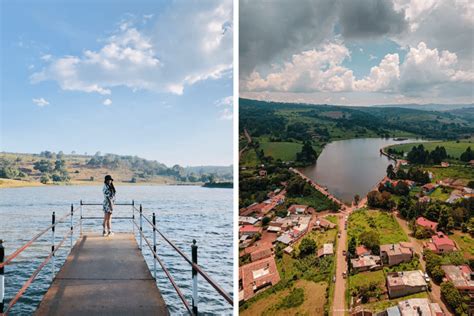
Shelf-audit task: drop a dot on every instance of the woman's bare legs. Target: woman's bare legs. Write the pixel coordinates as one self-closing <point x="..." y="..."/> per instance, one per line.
<point x="109" y="222"/>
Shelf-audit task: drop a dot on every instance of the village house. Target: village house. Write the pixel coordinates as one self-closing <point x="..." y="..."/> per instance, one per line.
<point x="444" y="164"/>
<point x="249" y="230"/>
<point x="323" y="224"/>
<point x="429" y="188"/>
<point x="440" y="243"/>
<point x="326" y="250"/>
<point x="262" y="173"/>
<point x="362" y="251"/>
<point x="455" y="195"/>
<point x="257" y="276"/>
<point x="297" y="209"/>
<point x="393" y="254"/>
<point x="258" y="245"/>
<point x="424" y="199"/>
<point x="247" y="220"/>
<point x="461" y="276"/>
<point x="418" y="307"/>
<point x="285" y="239"/>
<point x="366" y="263"/>
<point x="405" y="283"/>
<point x="426" y="223"/>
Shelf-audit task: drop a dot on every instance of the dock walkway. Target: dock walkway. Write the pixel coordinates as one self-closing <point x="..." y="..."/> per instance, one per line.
<point x="104" y="276"/>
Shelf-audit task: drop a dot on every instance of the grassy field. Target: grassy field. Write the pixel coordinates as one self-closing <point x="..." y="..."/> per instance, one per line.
<point x="465" y="242"/>
<point x="285" y="151"/>
<point x="249" y="158"/>
<point x="453" y="148"/>
<point x="313" y="304"/>
<point x="365" y="278"/>
<point x="463" y="173"/>
<point x="440" y="194"/>
<point x="320" y="238"/>
<point x="382" y="222"/>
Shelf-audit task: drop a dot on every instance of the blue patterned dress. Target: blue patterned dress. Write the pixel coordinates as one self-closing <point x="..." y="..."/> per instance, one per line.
<point x="109" y="196"/>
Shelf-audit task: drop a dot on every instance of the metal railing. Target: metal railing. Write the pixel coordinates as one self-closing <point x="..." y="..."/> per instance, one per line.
<point x="6" y="308"/>
<point x="195" y="271"/>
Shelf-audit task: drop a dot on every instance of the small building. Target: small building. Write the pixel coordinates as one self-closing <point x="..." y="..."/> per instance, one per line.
<point x="261" y="254"/>
<point x="461" y="276"/>
<point x="366" y="263"/>
<point x="322" y="223"/>
<point x="429" y="188"/>
<point x="424" y="199"/>
<point x="444" y="164"/>
<point x="440" y="243"/>
<point x="405" y="283"/>
<point x="363" y="251"/>
<point x="262" y="173"/>
<point x="393" y="254"/>
<point x="274" y="229"/>
<point x="326" y="250"/>
<point x="288" y="250"/>
<point x="257" y="276"/>
<point x="426" y="223"/>
<point x="247" y="220"/>
<point x="285" y="239"/>
<point x="297" y="209"/>
<point x="419" y="307"/>
<point x="249" y="230"/>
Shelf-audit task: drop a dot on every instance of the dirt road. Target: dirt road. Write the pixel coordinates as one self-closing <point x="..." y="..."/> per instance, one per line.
<point x="339" y="302"/>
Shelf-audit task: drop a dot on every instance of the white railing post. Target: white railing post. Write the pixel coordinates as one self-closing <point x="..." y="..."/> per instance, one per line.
<point x="53" y="221"/>
<point x="133" y="217"/>
<point x="141" y="226"/>
<point x="154" y="245"/>
<point x="194" y="254"/>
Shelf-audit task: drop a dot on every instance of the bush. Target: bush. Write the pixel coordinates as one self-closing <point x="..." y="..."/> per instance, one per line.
<point x="44" y="179"/>
<point x="265" y="221"/>
<point x="453" y="298"/>
<point x="294" y="299"/>
<point x="307" y="247"/>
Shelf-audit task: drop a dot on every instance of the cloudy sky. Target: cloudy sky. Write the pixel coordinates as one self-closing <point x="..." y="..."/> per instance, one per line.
<point x="147" y="78"/>
<point x="357" y="52"/>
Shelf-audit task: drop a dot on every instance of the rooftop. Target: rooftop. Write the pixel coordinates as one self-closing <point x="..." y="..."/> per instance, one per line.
<point x="406" y="278"/>
<point x="426" y="223"/>
<point x="397" y="249"/>
<point x="419" y="307"/>
<point x="459" y="275"/>
<point x="257" y="275"/>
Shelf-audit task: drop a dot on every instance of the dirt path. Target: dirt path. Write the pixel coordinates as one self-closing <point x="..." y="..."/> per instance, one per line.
<point x="435" y="293"/>
<point x="339" y="302"/>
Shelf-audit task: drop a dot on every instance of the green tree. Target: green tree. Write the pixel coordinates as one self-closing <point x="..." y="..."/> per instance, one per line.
<point x="307" y="154"/>
<point x="307" y="247"/>
<point x="351" y="248"/>
<point x="468" y="155"/>
<point x="390" y="172"/>
<point x="44" y="179"/>
<point x="43" y="165"/>
<point x="370" y="239"/>
<point x="453" y="298"/>
<point x="265" y="221"/>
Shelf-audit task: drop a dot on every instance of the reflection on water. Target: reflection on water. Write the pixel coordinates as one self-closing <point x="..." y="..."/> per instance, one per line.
<point x="183" y="213"/>
<point x="350" y="167"/>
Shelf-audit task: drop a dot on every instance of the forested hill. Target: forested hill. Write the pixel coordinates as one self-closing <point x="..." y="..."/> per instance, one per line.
<point x="48" y="167"/>
<point x="291" y="121"/>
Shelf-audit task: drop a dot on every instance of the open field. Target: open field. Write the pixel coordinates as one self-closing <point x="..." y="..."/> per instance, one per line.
<point x="286" y="151"/>
<point x="453" y="148"/>
<point x="313" y="303"/>
<point x="366" y="278"/>
<point x="440" y="194"/>
<point x="10" y="183"/>
<point x="382" y="222"/>
<point x="465" y="242"/>
<point x="463" y="173"/>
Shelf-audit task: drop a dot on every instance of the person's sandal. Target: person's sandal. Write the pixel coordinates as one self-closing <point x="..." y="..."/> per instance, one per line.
<point x="110" y="233"/>
<point x="104" y="233"/>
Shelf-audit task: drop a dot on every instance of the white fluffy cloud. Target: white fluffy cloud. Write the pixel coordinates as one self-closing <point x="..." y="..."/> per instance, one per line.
<point x="40" y="102"/>
<point x="227" y="104"/>
<point x="322" y="71"/>
<point x="187" y="44"/>
<point x="107" y="102"/>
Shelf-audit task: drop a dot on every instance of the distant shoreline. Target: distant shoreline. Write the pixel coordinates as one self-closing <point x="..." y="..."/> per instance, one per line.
<point x="10" y="183"/>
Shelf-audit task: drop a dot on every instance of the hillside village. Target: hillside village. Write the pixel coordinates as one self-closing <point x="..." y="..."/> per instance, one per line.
<point x="405" y="248"/>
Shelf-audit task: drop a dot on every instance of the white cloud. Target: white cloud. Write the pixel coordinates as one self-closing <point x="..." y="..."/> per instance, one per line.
<point x="226" y="114"/>
<point x="381" y="77"/>
<point x="372" y="57"/>
<point x="187" y="44"/>
<point x="227" y="101"/>
<point x="40" y="102"/>
<point x="107" y="102"/>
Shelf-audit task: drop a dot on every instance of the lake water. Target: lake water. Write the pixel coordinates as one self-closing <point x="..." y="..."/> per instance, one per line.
<point x="183" y="213"/>
<point x="350" y="167"/>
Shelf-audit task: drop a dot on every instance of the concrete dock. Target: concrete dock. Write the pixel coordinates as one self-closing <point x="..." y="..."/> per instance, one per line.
<point x="104" y="276"/>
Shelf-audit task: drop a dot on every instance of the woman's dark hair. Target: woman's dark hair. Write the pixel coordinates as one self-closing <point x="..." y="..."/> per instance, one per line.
<point x="111" y="185"/>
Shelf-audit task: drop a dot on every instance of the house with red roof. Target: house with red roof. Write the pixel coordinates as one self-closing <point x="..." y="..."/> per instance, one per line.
<point x="249" y="230"/>
<point x="460" y="276"/>
<point x="297" y="209"/>
<point x="257" y="276"/>
<point x="426" y="223"/>
<point x="429" y="187"/>
<point x="363" y="251"/>
<point x="440" y="243"/>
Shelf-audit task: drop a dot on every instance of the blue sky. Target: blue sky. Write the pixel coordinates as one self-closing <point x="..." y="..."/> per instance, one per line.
<point x="357" y="52"/>
<point x="146" y="78"/>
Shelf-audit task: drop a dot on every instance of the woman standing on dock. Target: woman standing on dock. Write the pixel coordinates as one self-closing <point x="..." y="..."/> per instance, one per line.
<point x="108" y="205"/>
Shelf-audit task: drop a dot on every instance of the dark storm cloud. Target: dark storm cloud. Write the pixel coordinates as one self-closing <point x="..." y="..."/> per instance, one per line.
<point x="269" y="29"/>
<point x="370" y="18"/>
